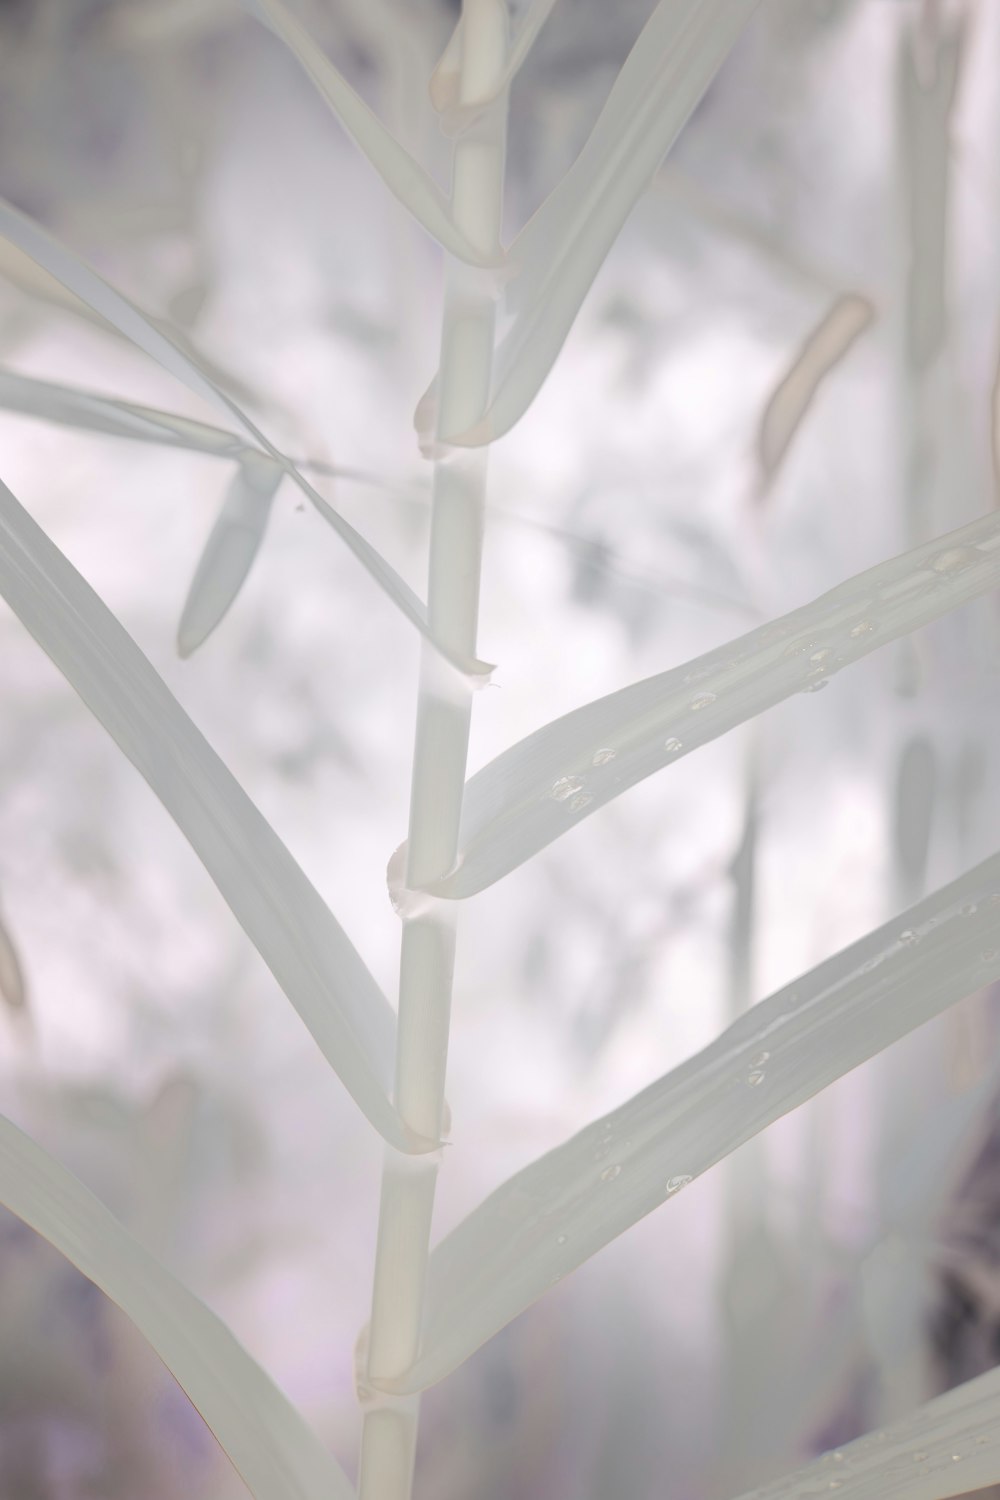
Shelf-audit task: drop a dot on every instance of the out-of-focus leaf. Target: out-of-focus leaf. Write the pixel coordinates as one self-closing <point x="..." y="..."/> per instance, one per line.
<point x="401" y="173"/>
<point x="72" y="407"/>
<point x="548" y="783"/>
<point x="949" y="1446"/>
<point x="13" y="990"/>
<point x="294" y="931"/>
<point x="550" y="1218"/>
<point x="455" y="113"/>
<point x="916" y="784"/>
<point x="271" y="1447"/>
<point x="230" y="550"/>
<point x="822" y="351"/>
<point x="122" y="314"/>
<point x="560" y="250"/>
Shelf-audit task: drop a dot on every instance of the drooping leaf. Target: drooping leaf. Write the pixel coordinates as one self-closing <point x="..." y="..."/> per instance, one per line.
<point x="456" y="113"/>
<point x="232" y="545"/>
<point x="555" y="1214"/>
<point x="401" y="173"/>
<point x="839" y="330"/>
<point x="122" y="314"/>
<point x="72" y="407"/>
<point x="295" y="933"/>
<point x="269" y="1444"/>
<point x="560" y="250"/>
<point x="948" y="1446"/>
<point x="548" y="783"/>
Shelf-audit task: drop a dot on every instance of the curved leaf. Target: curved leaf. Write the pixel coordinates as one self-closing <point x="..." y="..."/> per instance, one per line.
<point x="405" y="178"/>
<point x="558" y="1212"/>
<point x="560" y="250"/>
<point x="233" y="543"/>
<point x="295" y="933"/>
<point x="13" y="990"/>
<point x="548" y="783"/>
<point x="122" y="314"/>
<point x="265" y="1438"/>
<point x="948" y="1446"/>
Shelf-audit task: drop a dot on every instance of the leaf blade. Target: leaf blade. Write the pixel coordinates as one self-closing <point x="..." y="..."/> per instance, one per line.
<point x="262" y="1434"/>
<point x="129" y="320"/>
<point x="549" y="782"/>
<point x="456" y="114"/>
<point x="294" y="931"/>
<point x="594" y="1187"/>
<point x="229" y="552"/>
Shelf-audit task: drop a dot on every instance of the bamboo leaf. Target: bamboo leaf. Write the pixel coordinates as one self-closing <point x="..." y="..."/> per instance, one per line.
<point x="122" y="314"/>
<point x="233" y="543"/>
<point x="69" y="406"/>
<point x="948" y="1446"/>
<point x="295" y="933"/>
<point x="405" y="178"/>
<point x="457" y="114"/>
<point x="558" y="1212"/>
<point x="560" y="250"/>
<point x="271" y="1447"/>
<point x="548" y="783"/>
<point x="828" y="344"/>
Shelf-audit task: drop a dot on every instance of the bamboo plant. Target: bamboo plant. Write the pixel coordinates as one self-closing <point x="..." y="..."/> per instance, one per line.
<point x="507" y="312"/>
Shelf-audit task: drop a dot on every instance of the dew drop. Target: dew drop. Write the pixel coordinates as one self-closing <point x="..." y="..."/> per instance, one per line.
<point x="702" y="701"/>
<point x="610" y="1173"/>
<point x="601" y="757"/>
<point x="755" y="1079"/>
<point x="561" y="1239"/>
<point x="579" y="802"/>
<point x="822" y="655"/>
<point x="988" y="955"/>
<point x="565" y="787"/>
<point x="863" y="627"/>
<point x="672" y="745"/>
<point x="760" y="1059"/>
<point x="908" y="936"/>
<point x="818" y="686"/>
<point x="674" y="1184"/>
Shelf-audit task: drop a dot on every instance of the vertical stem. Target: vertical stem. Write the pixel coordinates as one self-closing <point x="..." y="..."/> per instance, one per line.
<point x="439" y="764"/>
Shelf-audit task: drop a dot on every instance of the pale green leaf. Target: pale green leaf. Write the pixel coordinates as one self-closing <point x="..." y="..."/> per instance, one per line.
<point x="122" y="314"/>
<point x="265" y="1438"/>
<point x="232" y="545"/>
<point x="293" y="930"/>
<point x="401" y="173"/>
<point x="558" y="1212"/>
<point x="13" y="991"/>
<point x="948" y="1446"/>
<point x="560" y="250"/>
<point x="548" y="783"/>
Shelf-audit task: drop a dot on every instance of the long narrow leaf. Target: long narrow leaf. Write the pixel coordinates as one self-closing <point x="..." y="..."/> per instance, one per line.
<point x="265" y="1438"/>
<point x="549" y="782"/>
<point x="122" y="314"/>
<point x="70" y="406"/>
<point x="558" y="1212"/>
<point x="561" y="249"/>
<point x="948" y="1446"/>
<point x="232" y="545"/>
<point x="401" y="173"/>
<point x="455" y="113"/>
<point x="293" y="930"/>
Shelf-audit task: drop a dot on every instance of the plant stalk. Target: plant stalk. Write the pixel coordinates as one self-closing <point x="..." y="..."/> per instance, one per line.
<point x="439" y="767"/>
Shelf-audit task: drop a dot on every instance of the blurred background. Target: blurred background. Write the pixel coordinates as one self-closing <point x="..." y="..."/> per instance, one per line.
<point x="830" y="214"/>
